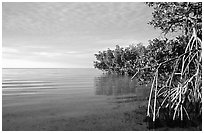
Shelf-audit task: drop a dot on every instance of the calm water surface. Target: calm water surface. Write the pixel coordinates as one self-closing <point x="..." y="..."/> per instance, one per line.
<point x="48" y="99"/>
<point x="69" y="81"/>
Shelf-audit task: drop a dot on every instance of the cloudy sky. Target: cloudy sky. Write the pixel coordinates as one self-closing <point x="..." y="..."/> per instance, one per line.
<point x="68" y="34"/>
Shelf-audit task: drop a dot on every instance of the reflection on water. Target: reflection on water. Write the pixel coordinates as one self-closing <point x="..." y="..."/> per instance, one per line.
<point x="115" y="85"/>
<point x="67" y="81"/>
<point x="48" y="81"/>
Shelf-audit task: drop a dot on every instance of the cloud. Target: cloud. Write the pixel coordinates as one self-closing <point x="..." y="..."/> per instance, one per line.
<point x="71" y="52"/>
<point x="49" y="18"/>
<point x="70" y="33"/>
<point x="23" y="63"/>
<point x="48" y="54"/>
<point x="9" y="50"/>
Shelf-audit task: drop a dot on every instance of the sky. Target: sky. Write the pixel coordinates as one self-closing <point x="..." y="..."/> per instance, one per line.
<point x="67" y="35"/>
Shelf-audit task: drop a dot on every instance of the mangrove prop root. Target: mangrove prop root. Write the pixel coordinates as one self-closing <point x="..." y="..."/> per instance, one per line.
<point x="179" y="96"/>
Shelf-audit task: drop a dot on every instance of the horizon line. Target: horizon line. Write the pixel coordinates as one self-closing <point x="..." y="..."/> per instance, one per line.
<point x="42" y="67"/>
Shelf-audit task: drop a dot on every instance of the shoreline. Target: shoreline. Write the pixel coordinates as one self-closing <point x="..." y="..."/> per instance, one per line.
<point x="123" y="116"/>
<point x="51" y="113"/>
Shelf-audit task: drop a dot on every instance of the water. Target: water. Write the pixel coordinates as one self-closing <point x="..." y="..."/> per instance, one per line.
<point x="65" y="99"/>
<point x="61" y="81"/>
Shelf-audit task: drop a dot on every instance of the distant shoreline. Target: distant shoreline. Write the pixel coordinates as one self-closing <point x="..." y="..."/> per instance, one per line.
<point x="49" y="68"/>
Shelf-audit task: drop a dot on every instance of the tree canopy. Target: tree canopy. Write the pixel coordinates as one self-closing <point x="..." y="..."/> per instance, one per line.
<point x="173" y="66"/>
<point x="175" y="16"/>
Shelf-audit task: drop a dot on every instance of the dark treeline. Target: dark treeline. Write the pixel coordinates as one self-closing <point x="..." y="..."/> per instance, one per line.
<point x="173" y="66"/>
<point x="127" y="61"/>
<point x="169" y="17"/>
<point x="120" y="60"/>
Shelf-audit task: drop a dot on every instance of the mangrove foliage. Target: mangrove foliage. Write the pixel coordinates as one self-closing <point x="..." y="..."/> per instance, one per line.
<point x="172" y="65"/>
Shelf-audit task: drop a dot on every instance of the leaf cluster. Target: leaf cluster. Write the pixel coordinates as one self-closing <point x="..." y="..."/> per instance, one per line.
<point x="177" y="16"/>
<point x="121" y="60"/>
